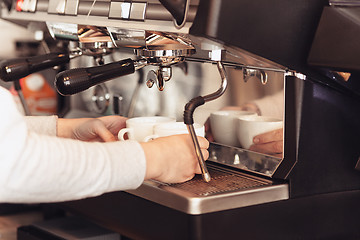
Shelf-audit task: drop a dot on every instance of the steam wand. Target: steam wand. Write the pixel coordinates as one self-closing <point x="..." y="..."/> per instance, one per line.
<point x="189" y="121"/>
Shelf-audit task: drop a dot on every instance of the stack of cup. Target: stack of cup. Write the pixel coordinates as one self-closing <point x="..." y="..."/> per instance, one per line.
<point x="144" y="129"/>
<point x="223" y="126"/>
<point x="140" y="127"/>
<point x="250" y="126"/>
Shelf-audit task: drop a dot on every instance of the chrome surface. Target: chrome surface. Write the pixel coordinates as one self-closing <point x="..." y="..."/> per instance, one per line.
<point x="96" y="48"/>
<point x="227" y="190"/>
<point x="131" y="38"/>
<point x="63" y="31"/>
<point x="29" y="5"/>
<point x="138" y="10"/>
<point x="296" y="74"/>
<point x="151" y="78"/>
<point x="244" y="159"/>
<point x="187" y="5"/>
<point x="223" y="85"/>
<point x="120" y="10"/>
<point x="100" y="98"/>
<point x="257" y="73"/>
<point x="205" y="174"/>
<point x="71" y="7"/>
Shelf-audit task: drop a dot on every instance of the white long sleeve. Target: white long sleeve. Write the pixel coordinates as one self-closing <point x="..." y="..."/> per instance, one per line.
<point x="272" y="105"/>
<point x="43" y="168"/>
<point x="42" y="124"/>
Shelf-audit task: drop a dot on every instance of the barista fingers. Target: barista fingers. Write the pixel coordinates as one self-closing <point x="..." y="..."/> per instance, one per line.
<point x="46" y="159"/>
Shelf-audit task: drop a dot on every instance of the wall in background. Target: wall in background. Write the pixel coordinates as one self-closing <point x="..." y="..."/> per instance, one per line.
<point x="10" y="33"/>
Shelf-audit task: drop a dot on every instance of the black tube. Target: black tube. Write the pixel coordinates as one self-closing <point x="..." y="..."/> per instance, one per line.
<point x="79" y="79"/>
<point x="190" y="108"/>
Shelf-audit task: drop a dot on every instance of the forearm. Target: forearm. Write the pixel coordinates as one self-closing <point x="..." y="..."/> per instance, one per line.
<point x="65" y="126"/>
<point x="51" y="169"/>
<point x="42" y="124"/>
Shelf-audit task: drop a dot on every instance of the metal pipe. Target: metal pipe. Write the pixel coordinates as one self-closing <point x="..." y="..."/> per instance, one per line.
<point x="204" y="171"/>
<point x="189" y="121"/>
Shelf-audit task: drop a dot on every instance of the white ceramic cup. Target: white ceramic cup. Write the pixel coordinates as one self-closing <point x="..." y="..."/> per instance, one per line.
<point x="250" y="126"/>
<point x="140" y="127"/>
<point x="174" y="128"/>
<point x="223" y="126"/>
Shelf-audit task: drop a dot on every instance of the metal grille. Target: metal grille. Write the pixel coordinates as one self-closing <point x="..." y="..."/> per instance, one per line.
<point x="221" y="181"/>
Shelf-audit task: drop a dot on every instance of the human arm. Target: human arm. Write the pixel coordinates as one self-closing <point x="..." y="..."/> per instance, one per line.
<point x="173" y="159"/>
<point x="103" y="129"/>
<point x="41" y="168"/>
<point x="91" y="129"/>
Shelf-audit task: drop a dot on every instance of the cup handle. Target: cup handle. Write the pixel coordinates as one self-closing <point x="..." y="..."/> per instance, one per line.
<point x="128" y="131"/>
<point x="150" y="137"/>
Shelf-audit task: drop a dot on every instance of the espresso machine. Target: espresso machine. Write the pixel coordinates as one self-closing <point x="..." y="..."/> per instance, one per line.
<point x="312" y="192"/>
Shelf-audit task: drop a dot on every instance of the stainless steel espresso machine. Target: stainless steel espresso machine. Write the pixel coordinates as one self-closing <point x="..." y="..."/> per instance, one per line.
<point x="313" y="192"/>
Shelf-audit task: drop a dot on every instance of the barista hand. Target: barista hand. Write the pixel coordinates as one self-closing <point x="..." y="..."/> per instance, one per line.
<point x="269" y="143"/>
<point x="91" y="129"/>
<point x="172" y="159"/>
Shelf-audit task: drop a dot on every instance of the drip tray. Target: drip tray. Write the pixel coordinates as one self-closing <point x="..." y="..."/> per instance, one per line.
<point x="227" y="189"/>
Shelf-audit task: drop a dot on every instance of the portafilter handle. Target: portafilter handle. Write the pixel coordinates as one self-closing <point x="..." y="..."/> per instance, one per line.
<point x="79" y="79"/>
<point x="14" y="69"/>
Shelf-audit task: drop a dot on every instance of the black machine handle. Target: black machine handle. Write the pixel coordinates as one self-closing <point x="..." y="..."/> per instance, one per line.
<point x="14" y="69"/>
<point x="79" y="79"/>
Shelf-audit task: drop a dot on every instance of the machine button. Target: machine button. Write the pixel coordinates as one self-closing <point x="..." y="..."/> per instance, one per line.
<point x="138" y="10"/>
<point x="71" y="7"/>
<point x="57" y="6"/>
<point x="120" y="10"/>
<point x="26" y="5"/>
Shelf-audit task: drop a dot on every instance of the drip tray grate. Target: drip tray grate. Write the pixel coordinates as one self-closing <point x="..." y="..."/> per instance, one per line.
<point x="221" y="182"/>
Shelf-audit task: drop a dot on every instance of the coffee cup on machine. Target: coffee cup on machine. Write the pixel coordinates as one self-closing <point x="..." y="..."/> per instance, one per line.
<point x="174" y="128"/>
<point x="223" y="126"/>
<point x="250" y="126"/>
<point x="140" y="127"/>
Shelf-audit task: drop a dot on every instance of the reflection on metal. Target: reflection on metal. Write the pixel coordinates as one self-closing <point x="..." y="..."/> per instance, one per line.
<point x="230" y="188"/>
<point x="204" y="171"/>
<point x="96" y="48"/>
<point x="257" y="73"/>
<point x="93" y="34"/>
<point x="63" y="31"/>
<point x="162" y="75"/>
<point x="296" y="74"/>
<point x="223" y="85"/>
<point x="131" y="38"/>
<point x="187" y="5"/>
<point x="100" y="98"/>
<point x="244" y="159"/>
